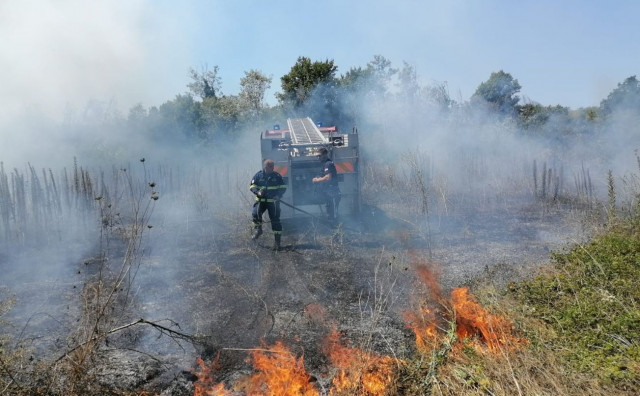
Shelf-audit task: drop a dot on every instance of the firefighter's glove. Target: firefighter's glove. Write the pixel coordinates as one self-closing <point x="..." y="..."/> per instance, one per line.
<point x="261" y="193"/>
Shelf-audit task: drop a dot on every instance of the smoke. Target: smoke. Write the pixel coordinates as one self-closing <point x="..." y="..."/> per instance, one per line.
<point x="61" y="58"/>
<point x="472" y="147"/>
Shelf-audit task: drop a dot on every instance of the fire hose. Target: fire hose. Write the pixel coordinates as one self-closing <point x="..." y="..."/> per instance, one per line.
<point x="300" y="210"/>
<point x="312" y="215"/>
<point x="303" y="211"/>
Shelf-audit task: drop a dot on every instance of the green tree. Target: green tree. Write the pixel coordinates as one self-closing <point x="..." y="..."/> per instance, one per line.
<point x="362" y="85"/>
<point x="552" y="121"/>
<point x="382" y="73"/>
<point x="591" y="114"/>
<point x="137" y="114"/>
<point x="303" y="78"/>
<point x="625" y="97"/>
<point x="254" y="85"/>
<point x="205" y="84"/>
<point x="532" y="116"/>
<point x="499" y="91"/>
<point x="356" y="79"/>
<point x="369" y="82"/>
<point x="179" y="118"/>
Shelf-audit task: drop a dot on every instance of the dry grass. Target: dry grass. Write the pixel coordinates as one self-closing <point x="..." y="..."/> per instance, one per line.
<point x="465" y="367"/>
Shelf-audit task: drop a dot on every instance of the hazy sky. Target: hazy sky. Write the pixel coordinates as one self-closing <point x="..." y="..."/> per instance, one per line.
<point x="59" y="54"/>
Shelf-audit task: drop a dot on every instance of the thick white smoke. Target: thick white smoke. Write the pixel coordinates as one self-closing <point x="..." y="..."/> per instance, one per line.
<point x="59" y="57"/>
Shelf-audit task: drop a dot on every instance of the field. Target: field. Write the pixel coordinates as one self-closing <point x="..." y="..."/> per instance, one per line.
<point x="144" y="279"/>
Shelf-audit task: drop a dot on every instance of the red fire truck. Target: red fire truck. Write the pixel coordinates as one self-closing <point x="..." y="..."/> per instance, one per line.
<point x="295" y="152"/>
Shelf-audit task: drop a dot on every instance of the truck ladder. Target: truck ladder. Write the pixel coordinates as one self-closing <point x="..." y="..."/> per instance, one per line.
<point x="305" y="132"/>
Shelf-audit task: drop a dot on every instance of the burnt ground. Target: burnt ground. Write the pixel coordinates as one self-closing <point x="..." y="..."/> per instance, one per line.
<point x="232" y="294"/>
<point x="359" y="277"/>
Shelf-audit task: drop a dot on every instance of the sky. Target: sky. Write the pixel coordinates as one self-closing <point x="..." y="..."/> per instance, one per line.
<point x="58" y="55"/>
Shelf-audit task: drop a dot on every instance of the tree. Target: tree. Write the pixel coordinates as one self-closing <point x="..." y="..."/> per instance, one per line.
<point x="626" y="97"/>
<point x="373" y="79"/>
<point x="205" y="84"/>
<point x="438" y="95"/>
<point x="137" y="113"/>
<point x="179" y="118"/>
<point x="363" y="85"/>
<point x="532" y="116"/>
<point x="549" y="120"/>
<point x="356" y="79"/>
<point x="499" y="91"/>
<point x="303" y="78"/>
<point x="219" y="118"/>
<point x="254" y="85"/>
<point x="382" y="70"/>
<point x="408" y="84"/>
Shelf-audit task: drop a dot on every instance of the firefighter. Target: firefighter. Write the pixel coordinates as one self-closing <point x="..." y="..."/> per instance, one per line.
<point x="268" y="187"/>
<point x="328" y="184"/>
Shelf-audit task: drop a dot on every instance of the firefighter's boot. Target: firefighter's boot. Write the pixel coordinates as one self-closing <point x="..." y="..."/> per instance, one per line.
<point x="276" y="243"/>
<point x="257" y="232"/>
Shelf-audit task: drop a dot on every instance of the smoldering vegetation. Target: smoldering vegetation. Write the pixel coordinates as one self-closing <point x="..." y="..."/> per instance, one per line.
<point x="140" y="245"/>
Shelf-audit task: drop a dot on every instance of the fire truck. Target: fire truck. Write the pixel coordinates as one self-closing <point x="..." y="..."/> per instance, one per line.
<point x="295" y="151"/>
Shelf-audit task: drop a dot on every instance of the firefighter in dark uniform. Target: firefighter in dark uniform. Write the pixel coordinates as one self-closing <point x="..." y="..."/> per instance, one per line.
<point x="328" y="184"/>
<point x="268" y="187"/>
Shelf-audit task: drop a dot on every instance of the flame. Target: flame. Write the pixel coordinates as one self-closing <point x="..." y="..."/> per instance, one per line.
<point x="472" y="320"/>
<point x="429" y="276"/>
<point x="280" y="373"/>
<point x="424" y="327"/>
<point x="204" y="385"/>
<point x="359" y="372"/>
<point x="424" y="322"/>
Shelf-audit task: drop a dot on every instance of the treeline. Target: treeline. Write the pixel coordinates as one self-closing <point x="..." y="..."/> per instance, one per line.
<point x="204" y="115"/>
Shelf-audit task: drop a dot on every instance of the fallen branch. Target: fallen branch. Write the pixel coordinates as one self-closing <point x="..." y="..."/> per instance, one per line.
<point x="163" y="329"/>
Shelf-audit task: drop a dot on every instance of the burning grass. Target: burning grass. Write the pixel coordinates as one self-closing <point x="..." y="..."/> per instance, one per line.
<point x="278" y="371"/>
<point x="465" y="315"/>
<point x="356" y="371"/>
<point x="359" y="372"/>
<point x="463" y="348"/>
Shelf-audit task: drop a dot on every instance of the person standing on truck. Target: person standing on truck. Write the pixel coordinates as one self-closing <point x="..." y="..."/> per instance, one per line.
<point x="268" y="187"/>
<point x="328" y="184"/>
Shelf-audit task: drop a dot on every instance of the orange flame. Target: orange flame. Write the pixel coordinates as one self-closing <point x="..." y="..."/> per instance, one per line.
<point x="280" y="373"/>
<point x="204" y="385"/>
<point x="424" y="322"/>
<point x="472" y="320"/>
<point x="427" y="273"/>
<point x="359" y="372"/>
<point x="424" y="327"/>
